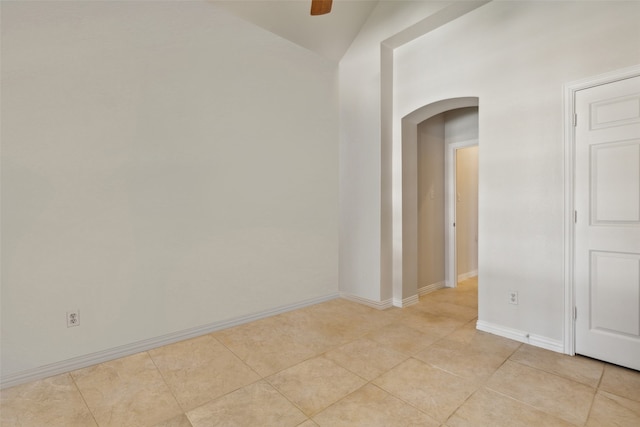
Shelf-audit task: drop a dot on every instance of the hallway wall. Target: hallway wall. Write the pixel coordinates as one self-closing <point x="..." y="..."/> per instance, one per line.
<point x="434" y="136"/>
<point x="431" y="192"/>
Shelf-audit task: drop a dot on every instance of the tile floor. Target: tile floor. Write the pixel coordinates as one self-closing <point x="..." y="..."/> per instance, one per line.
<point x="339" y="364"/>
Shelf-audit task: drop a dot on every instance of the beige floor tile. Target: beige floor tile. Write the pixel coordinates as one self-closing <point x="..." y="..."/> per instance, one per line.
<point x="469" y="353"/>
<point x="257" y="404"/>
<point x="50" y="402"/>
<point x="179" y="421"/>
<point x="464" y="360"/>
<point x="429" y="389"/>
<point x="345" y="311"/>
<point x="315" y="384"/>
<point x="201" y="369"/>
<point x="371" y="407"/>
<point x="402" y="338"/>
<point x="366" y="358"/>
<point x="470" y="327"/>
<point x="461" y="295"/>
<point x="621" y="381"/>
<point x="470" y="337"/>
<point x="428" y="364"/>
<point x="455" y="311"/>
<point x="488" y="408"/>
<point x="610" y="410"/>
<point x="576" y="368"/>
<point x="469" y="282"/>
<point x="268" y="345"/>
<point x="454" y="296"/>
<point x="430" y="323"/>
<point x="336" y="322"/>
<point x="317" y="333"/>
<point x="547" y="392"/>
<point x="126" y="392"/>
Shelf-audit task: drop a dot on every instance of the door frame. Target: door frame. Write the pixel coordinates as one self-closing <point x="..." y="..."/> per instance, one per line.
<point x="450" y="242"/>
<point x="569" y="94"/>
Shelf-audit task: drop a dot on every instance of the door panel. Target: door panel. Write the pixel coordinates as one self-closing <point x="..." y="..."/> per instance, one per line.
<point x="607" y="229"/>
<point x="615" y="112"/>
<point x="614" y="290"/>
<point x="615" y="188"/>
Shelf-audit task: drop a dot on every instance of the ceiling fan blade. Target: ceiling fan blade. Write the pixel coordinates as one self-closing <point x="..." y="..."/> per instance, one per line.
<point x="320" y="7"/>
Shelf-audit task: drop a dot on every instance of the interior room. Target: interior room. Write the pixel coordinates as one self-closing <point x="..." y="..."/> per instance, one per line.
<point x="381" y="215"/>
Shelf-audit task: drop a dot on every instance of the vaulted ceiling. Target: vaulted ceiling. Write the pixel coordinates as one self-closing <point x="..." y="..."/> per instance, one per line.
<point x="328" y="35"/>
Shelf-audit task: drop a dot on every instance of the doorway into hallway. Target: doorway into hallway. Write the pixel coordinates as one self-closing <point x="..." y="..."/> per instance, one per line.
<point x="447" y="208"/>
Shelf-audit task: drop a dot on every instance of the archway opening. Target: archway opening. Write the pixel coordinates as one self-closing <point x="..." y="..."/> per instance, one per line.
<point x="405" y="199"/>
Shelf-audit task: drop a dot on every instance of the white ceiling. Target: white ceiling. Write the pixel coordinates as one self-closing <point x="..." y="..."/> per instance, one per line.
<point x="328" y="35"/>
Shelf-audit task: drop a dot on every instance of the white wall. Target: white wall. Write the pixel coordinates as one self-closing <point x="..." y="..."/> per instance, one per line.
<point x="360" y="148"/>
<point x="461" y="124"/>
<point x="164" y="166"/>
<point x="515" y="56"/>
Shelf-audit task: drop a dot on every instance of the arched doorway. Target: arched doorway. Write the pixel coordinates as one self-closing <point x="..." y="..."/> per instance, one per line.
<point x="405" y="199"/>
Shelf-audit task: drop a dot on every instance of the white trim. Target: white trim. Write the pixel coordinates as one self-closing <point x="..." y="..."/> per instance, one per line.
<point x="379" y="305"/>
<point x="406" y="302"/>
<point x="521" y="336"/>
<point x="569" y="93"/>
<point x="144" y="345"/>
<point x="467" y="275"/>
<point x="431" y="288"/>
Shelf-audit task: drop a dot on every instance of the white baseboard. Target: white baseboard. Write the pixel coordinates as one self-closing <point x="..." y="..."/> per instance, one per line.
<point x="467" y="275"/>
<point x="406" y="302"/>
<point x="431" y="288"/>
<point x="521" y="336"/>
<point x="380" y="305"/>
<point x="144" y="345"/>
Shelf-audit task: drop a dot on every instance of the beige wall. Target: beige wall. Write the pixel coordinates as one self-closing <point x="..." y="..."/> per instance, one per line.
<point x="467" y="211"/>
<point x="431" y="192"/>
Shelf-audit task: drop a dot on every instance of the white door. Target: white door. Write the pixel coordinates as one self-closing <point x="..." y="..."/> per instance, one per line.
<point x="607" y="227"/>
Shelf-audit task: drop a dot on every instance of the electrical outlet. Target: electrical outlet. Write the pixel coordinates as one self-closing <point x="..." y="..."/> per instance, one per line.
<point x="73" y="318"/>
<point x="513" y="297"/>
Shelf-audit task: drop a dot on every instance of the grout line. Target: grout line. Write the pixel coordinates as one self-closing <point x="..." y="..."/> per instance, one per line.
<point x="83" y="398"/>
<point x="164" y="380"/>
<point x="480" y="387"/>
<point x="537" y="409"/>
<point x="287" y="398"/>
<point x="550" y="373"/>
<point x="604" y="368"/>
<point x="593" y="400"/>
<point x="238" y="357"/>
